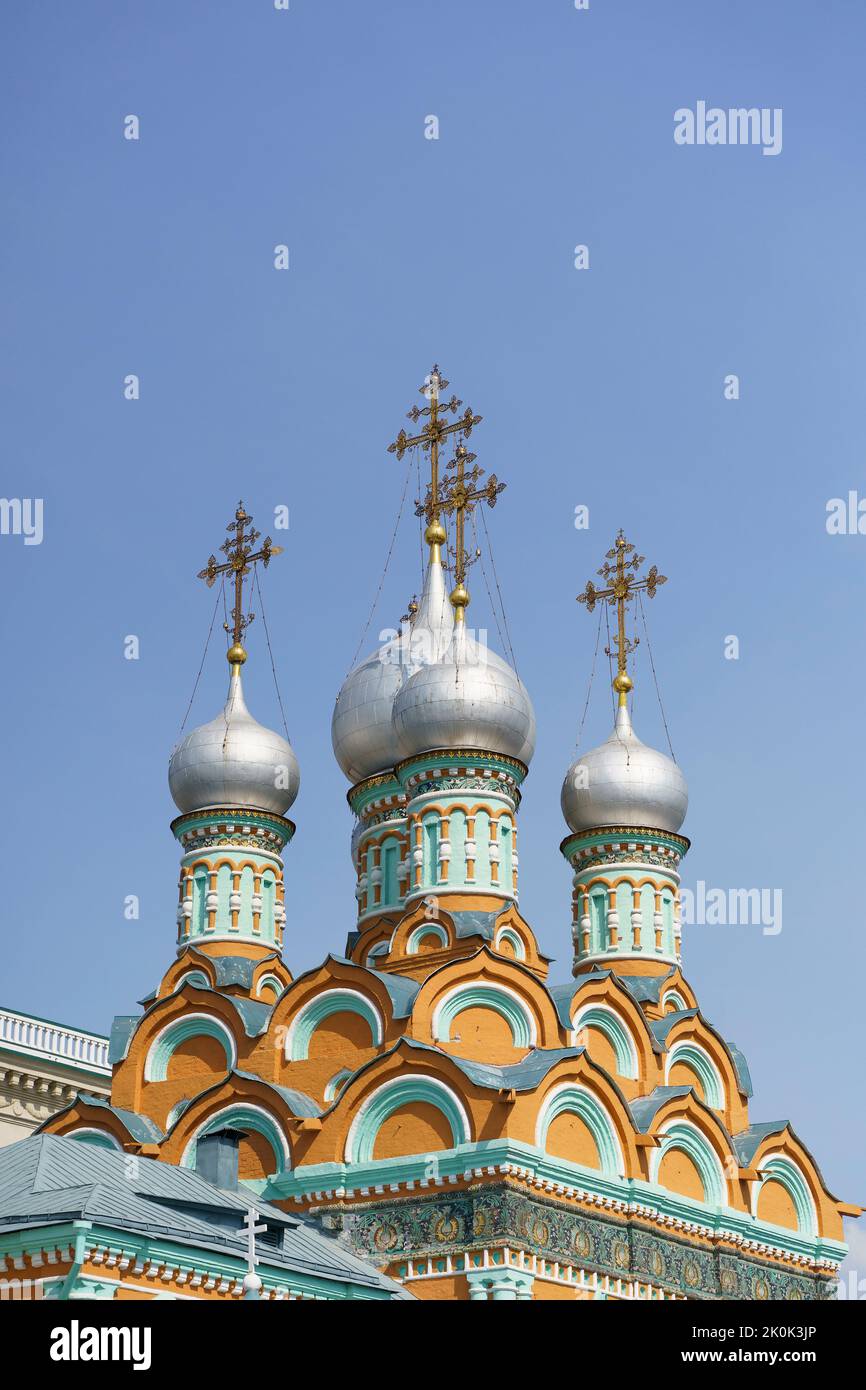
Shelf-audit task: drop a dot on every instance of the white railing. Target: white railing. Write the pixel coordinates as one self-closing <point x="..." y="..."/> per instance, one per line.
<point x="52" y="1040"/>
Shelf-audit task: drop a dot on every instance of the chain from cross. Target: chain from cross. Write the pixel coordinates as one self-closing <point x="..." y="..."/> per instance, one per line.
<point x="252" y="1231"/>
<point x="624" y="584"/>
<point x="433" y="433"/>
<point x="240" y="557"/>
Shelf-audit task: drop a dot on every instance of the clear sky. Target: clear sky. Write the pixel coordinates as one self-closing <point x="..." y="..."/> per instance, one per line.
<point x="601" y="387"/>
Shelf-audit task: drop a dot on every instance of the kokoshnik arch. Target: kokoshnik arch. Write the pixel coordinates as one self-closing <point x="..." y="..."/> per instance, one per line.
<point x="475" y="1131"/>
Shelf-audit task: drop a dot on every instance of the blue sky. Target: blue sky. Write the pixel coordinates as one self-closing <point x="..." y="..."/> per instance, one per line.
<point x="601" y="387"/>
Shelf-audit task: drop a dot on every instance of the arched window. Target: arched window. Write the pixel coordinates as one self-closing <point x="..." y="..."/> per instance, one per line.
<point x="457" y="837"/>
<point x="597" y="921"/>
<point x="245" y="914"/>
<point x="430" y="847"/>
<point x="506" y="867"/>
<point x="224" y="892"/>
<point x="269" y="899"/>
<point x="199" y="897"/>
<point x="390" y="861"/>
<point x="668" y="942"/>
<point x="482" y="849"/>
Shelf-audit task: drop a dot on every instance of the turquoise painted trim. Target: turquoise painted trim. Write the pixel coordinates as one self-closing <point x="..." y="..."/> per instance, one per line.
<point x="181" y="1256"/>
<point x="194" y="977"/>
<point x="608" y="1022"/>
<point x="684" y="1136"/>
<point x="180" y="1031"/>
<point x="439" y="758"/>
<point x="673" y="996"/>
<point x="504" y="1002"/>
<point x="99" y="1138"/>
<point x="625" y="836"/>
<point x="417" y="935"/>
<point x="203" y="820"/>
<point x="700" y="1062"/>
<point x="269" y="980"/>
<point x="463" y="1159"/>
<point x="515" y="939"/>
<point x="313" y="1014"/>
<point x="336" y="1083"/>
<point x="576" y="1100"/>
<point x="243" y="1117"/>
<point x="392" y="1096"/>
<point x="375" y="789"/>
<point x="779" y="1168"/>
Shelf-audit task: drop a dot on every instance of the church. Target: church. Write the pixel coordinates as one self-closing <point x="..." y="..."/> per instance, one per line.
<point x="426" y="1114"/>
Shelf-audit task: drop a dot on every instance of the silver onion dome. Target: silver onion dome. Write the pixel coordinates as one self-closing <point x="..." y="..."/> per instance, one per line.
<point x="234" y="761"/>
<point x="362" y="731"/>
<point x="362" y="727"/>
<point x="623" y="782"/>
<point x="468" y="699"/>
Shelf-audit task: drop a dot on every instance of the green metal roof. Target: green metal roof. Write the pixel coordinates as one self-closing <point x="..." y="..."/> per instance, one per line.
<point x="46" y="1179"/>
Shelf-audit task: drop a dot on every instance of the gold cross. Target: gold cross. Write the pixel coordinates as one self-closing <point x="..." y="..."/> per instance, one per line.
<point x="430" y="437"/>
<point x="625" y="583"/>
<point x="460" y="495"/>
<point x="238" y="549"/>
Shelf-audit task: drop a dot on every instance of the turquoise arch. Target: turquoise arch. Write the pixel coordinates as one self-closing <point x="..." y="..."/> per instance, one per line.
<point x="704" y="1068"/>
<point x="393" y="1095"/>
<point x="608" y="1022"/>
<point x="243" y="1118"/>
<point x="314" y="1013"/>
<point x="577" y="1100"/>
<point x="783" y="1170"/>
<point x="486" y="996"/>
<point x="99" y="1138"/>
<point x="417" y="935"/>
<point x="686" y="1137"/>
<point x="514" y="938"/>
<point x="169" y="1040"/>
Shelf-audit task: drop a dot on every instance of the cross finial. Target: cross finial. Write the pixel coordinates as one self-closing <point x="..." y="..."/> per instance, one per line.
<point x="460" y="495"/>
<point x="624" y="583"/>
<point x="240" y="557"/>
<point x="434" y="431"/>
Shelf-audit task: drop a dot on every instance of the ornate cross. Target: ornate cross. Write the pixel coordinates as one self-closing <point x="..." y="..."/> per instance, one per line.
<point x="238" y="549"/>
<point x="625" y="583"/>
<point x="460" y="495"/>
<point x="432" y="435"/>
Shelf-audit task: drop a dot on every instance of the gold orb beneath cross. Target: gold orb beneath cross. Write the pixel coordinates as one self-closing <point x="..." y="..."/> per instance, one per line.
<point x="623" y="683"/>
<point x="236" y="655"/>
